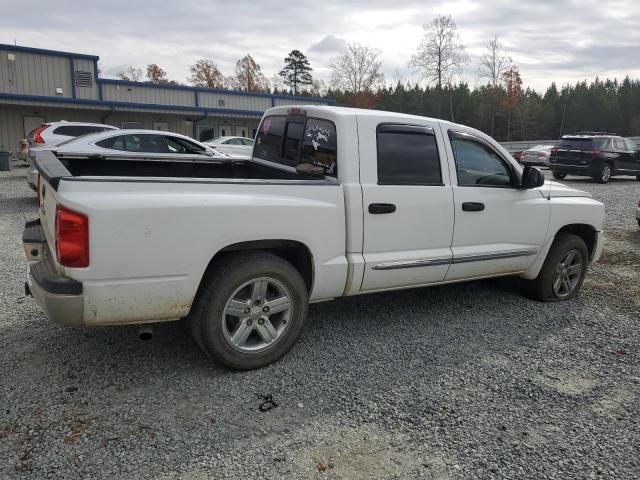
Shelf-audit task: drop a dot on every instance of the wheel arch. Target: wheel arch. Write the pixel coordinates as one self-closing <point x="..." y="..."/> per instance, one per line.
<point x="586" y="232"/>
<point x="293" y="251"/>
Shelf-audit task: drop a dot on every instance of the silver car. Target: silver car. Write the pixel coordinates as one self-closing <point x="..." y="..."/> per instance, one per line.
<point x="538" y="155"/>
<point x="235" y="146"/>
<point x="149" y="143"/>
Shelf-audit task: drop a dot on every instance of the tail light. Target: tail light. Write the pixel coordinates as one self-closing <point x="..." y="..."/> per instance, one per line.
<point x="554" y="150"/>
<point x="72" y="238"/>
<point x="595" y="152"/>
<point x="37" y="137"/>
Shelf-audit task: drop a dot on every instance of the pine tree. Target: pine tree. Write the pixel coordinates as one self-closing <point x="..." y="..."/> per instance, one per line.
<point x="296" y="71"/>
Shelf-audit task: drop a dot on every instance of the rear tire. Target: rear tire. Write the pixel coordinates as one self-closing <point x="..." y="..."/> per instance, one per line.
<point x="638" y="177"/>
<point x="250" y="310"/>
<point x="605" y="173"/>
<point x="559" y="278"/>
<point x="558" y="175"/>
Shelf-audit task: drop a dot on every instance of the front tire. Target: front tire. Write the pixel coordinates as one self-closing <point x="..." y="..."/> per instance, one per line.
<point x="558" y="175"/>
<point x="604" y="175"/>
<point x="250" y="311"/>
<point x="563" y="271"/>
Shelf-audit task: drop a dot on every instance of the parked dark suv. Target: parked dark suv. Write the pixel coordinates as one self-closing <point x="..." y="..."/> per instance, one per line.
<point x="595" y="154"/>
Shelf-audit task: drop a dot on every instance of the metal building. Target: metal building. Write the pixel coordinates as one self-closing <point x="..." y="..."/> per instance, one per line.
<point x="39" y="86"/>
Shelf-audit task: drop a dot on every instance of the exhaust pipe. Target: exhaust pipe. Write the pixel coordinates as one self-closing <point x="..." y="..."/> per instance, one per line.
<point x="145" y="333"/>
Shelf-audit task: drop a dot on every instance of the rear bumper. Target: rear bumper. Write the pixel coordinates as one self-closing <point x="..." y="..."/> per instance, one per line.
<point x="59" y="296"/>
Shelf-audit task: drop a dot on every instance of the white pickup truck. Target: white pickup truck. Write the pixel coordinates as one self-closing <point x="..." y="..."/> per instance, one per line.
<point x="334" y="202"/>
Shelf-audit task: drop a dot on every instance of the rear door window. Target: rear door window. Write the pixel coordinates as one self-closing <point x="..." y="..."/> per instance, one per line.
<point x="290" y="141"/>
<point x="407" y="155"/>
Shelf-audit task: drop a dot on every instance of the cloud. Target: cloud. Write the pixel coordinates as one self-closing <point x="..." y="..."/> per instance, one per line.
<point x="551" y="40"/>
<point x="329" y="44"/>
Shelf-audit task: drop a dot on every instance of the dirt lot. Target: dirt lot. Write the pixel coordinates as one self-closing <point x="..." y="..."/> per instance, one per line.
<point x="463" y="381"/>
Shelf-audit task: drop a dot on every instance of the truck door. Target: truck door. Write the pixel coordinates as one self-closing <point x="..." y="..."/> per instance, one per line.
<point x="408" y="203"/>
<point x="499" y="227"/>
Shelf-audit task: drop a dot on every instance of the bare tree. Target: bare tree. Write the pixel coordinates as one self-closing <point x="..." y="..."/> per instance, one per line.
<point x="205" y="73"/>
<point x="277" y="84"/>
<point x="493" y="62"/>
<point x="132" y="74"/>
<point x="440" y="54"/>
<point x="249" y="76"/>
<point x="358" y="69"/>
<point x="156" y="74"/>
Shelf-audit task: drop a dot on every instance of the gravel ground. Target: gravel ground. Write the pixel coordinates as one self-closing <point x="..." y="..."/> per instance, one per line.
<point x="453" y="382"/>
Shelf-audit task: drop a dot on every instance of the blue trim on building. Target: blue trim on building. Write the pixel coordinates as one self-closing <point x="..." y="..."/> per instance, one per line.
<point x="151" y="106"/>
<point x="95" y="78"/>
<point x="73" y="77"/>
<point x="42" y="51"/>
<point x="215" y="90"/>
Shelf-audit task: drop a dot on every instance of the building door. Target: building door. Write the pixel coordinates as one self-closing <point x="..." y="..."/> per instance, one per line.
<point x="206" y="132"/>
<point x="226" y="130"/>
<point x="242" y="131"/>
<point x="31" y="123"/>
<point x="160" y="126"/>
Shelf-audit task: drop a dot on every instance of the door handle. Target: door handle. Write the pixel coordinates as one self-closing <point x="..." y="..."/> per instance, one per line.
<point x="378" y="208"/>
<point x="472" y="206"/>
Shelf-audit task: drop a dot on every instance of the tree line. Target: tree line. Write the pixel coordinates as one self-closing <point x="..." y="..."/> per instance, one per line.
<point x="497" y="105"/>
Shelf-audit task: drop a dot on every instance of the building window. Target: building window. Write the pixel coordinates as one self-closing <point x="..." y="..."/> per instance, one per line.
<point x="221" y="102"/>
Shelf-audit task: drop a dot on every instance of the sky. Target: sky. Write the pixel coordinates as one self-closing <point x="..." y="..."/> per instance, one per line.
<point x="558" y="41"/>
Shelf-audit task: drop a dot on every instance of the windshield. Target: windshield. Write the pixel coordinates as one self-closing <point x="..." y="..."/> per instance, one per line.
<point x="583" y="143"/>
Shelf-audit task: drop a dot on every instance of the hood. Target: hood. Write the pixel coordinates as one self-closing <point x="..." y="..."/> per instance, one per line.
<point x="555" y="189"/>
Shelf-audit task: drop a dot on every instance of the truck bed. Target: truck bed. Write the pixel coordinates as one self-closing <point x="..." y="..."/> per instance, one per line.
<point x="54" y="168"/>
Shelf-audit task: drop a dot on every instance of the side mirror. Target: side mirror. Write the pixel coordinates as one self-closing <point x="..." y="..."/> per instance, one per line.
<point x="532" y="178"/>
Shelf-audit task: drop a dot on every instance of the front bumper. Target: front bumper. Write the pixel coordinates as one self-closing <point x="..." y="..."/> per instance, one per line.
<point x="59" y="296"/>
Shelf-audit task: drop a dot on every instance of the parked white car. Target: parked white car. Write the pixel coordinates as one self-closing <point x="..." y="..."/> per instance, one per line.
<point x="54" y="133"/>
<point x="132" y="143"/>
<point x="236" y="146"/>
<point x="347" y="202"/>
<point x="538" y="155"/>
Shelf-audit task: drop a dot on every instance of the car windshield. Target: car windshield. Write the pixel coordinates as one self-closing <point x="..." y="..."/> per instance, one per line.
<point x="581" y="143"/>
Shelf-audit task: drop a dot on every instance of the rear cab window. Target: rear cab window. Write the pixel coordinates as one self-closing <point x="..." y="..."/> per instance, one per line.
<point x="289" y="141"/>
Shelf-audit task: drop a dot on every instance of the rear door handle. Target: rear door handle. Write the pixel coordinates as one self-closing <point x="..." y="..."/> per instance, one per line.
<point x="472" y="206"/>
<point x="378" y="208"/>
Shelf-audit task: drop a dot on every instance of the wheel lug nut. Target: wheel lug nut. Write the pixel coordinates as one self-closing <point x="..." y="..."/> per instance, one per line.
<point x="265" y="309"/>
<point x="257" y="302"/>
<point x="261" y="321"/>
<point x="249" y="322"/>
<point x="247" y="310"/>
